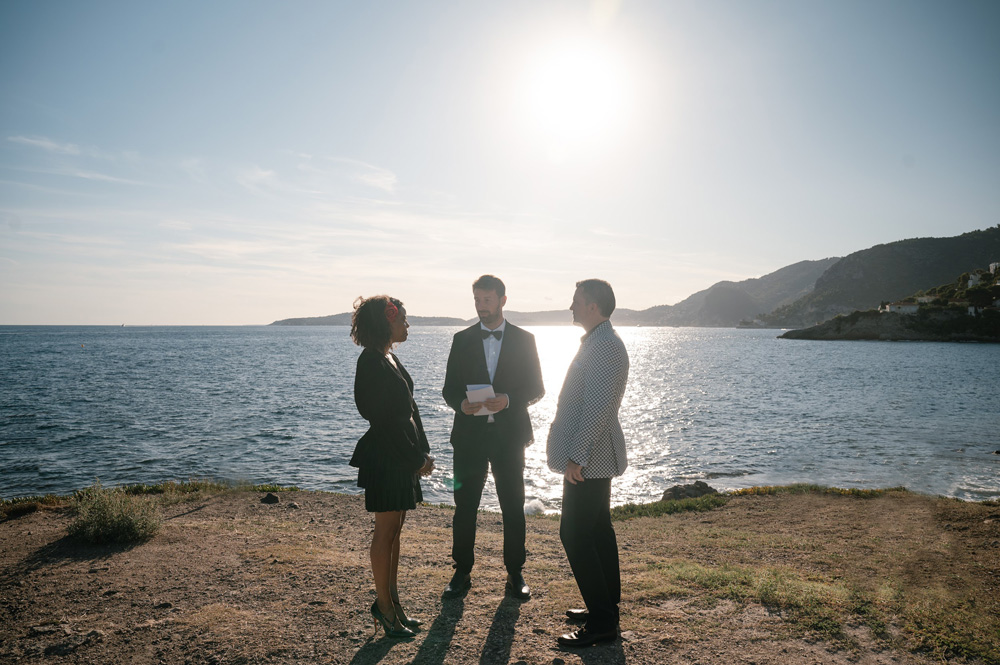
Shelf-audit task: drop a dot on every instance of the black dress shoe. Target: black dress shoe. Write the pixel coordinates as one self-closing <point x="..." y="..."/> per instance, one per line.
<point x="458" y="585"/>
<point x="584" y="638"/>
<point x="517" y="587"/>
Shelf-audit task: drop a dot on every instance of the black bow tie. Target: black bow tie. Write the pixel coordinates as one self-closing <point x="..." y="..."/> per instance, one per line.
<point x="486" y="333"/>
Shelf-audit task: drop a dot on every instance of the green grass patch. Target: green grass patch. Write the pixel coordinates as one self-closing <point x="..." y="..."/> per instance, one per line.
<point x="948" y="630"/>
<point x="804" y="488"/>
<point x="657" y="508"/>
<point x="112" y="515"/>
<point x="811" y="606"/>
<point x="14" y="508"/>
<point x="172" y="487"/>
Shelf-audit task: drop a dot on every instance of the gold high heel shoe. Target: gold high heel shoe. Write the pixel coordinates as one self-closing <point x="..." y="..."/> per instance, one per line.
<point x="389" y="625"/>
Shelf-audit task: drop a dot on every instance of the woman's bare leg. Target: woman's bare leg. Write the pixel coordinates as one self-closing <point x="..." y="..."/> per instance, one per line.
<point x="385" y="541"/>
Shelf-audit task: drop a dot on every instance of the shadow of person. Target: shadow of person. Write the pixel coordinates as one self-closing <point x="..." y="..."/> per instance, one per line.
<point x="374" y="651"/>
<point x="435" y="645"/>
<point x="501" y="636"/>
<point x="607" y="653"/>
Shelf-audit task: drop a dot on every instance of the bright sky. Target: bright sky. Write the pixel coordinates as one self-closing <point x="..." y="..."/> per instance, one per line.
<point x="238" y="162"/>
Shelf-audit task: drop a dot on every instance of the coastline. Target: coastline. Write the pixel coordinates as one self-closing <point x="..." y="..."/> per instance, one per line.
<point x="768" y="577"/>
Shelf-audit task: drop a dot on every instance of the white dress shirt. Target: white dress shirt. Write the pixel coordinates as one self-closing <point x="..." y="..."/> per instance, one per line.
<point x="491" y="347"/>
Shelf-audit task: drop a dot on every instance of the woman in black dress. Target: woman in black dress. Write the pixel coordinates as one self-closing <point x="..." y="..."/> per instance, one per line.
<point x="393" y="453"/>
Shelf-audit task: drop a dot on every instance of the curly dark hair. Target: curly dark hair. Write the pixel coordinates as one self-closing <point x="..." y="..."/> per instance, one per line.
<point x="369" y="325"/>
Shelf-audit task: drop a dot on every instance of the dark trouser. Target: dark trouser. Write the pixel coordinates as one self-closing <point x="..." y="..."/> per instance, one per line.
<point x="471" y="464"/>
<point x="592" y="549"/>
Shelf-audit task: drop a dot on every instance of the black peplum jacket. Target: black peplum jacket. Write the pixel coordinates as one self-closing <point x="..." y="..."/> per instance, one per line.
<point x="395" y="440"/>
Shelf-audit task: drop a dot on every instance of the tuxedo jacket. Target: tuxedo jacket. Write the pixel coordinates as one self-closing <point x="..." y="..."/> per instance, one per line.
<point x="518" y="375"/>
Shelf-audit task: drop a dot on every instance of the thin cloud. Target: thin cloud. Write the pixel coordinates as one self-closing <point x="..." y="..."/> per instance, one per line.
<point x="103" y="177"/>
<point x="46" y="144"/>
<point x="379" y="178"/>
<point x="254" y="177"/>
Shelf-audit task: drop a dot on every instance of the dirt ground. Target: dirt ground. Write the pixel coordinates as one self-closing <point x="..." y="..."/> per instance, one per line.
<point x="232" y="580"/>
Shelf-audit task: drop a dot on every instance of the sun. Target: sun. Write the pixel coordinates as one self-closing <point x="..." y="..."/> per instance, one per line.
<point x="575" y="95"/>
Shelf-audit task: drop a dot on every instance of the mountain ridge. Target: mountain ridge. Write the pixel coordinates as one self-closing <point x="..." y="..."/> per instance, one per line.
<point x="795" y="296"/>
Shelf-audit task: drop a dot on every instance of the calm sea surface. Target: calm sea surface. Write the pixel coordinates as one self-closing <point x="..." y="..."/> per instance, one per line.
<point x="735" y="408"/>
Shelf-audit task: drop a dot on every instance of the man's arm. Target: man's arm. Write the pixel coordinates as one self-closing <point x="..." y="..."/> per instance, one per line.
<point x="454" y="388"/>
<point x="529" y="387"/>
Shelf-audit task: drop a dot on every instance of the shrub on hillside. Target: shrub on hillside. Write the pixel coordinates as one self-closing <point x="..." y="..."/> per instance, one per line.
<point x="110" y="515"/>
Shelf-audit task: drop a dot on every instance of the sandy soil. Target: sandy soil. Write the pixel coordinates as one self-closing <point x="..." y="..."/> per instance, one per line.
<point x="231" y="580"/>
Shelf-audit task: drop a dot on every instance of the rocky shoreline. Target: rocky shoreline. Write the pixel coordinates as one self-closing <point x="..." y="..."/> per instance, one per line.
<point x="930" y="326"/>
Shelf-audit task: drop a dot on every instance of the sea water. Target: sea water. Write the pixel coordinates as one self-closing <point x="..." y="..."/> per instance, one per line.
<point x="735" y="408"/>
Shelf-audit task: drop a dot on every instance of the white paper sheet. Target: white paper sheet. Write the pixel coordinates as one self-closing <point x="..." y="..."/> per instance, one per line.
<point x="480" y="392"/>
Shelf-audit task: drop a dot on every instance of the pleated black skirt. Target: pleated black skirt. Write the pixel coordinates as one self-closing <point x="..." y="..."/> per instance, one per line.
<point x="389" y="489"/>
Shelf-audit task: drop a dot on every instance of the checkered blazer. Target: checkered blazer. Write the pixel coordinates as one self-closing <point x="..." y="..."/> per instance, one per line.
<point x="586" y="428"/>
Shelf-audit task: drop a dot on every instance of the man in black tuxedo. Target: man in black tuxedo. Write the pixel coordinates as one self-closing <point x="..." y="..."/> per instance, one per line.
<point x="493" y="433"/>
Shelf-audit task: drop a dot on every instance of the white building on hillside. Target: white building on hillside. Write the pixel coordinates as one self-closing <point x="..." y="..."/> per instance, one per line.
<point x="902" y="307"/>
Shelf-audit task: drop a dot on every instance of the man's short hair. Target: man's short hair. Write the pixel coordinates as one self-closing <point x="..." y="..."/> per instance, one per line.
<point x="599" y="292"/>
<point x="490" y="283"/>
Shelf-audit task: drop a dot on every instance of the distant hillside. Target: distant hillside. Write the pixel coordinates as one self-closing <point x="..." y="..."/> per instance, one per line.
<point x="344" y="319"/>
<point x="724" y="304"/>
<point x="564" y="317"/>
<point x="727" y="303"/>
<point x="892" y="271"/>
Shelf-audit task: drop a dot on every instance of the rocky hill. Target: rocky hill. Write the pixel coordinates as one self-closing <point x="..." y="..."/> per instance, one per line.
<point x="725" y="304"/>
<point x="892" y="271"/>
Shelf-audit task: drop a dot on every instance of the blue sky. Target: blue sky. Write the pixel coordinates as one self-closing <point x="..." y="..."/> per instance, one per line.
<point x="242" y="162"/>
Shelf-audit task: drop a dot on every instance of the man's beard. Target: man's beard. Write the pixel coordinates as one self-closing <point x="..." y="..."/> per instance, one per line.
<point x="489" y="317"/>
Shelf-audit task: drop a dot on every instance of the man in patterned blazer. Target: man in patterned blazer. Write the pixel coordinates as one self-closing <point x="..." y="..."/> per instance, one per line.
<point x="493" y="433"/>
<point x="587" y="446"/>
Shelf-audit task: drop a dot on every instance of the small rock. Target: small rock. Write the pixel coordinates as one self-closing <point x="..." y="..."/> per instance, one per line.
<point x="294" y="505"/>
<point x="539" y="631"/>
<point x="45" y="630"/>
<point x="163" y="606"/>
<point x="270" y="498"/>
<point x="95" y="634"/>
<point x="317" y="602"/>
<point x="628" y="635"/>
<point x="694" y="490"/>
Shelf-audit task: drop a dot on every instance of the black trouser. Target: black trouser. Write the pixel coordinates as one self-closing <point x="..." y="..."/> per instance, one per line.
<point x="592" y="549"/>
<point x="471" y="464"/>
